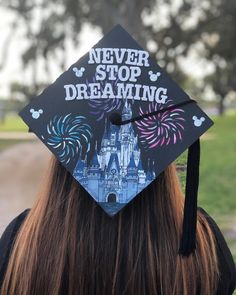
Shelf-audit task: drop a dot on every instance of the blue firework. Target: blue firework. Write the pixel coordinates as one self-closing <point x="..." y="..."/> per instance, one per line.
<point x="69" y="135"/>
<point x="100" y="107"/>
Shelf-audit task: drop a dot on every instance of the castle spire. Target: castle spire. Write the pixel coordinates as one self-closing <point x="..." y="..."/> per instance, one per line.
<point x="149" y="174"/>
<point x="126" y="112"/>
<point x="105" y="134"/>
<point x="132" y="162"/>
<point x="95" y="162"/>
<point x="140" y="166"/>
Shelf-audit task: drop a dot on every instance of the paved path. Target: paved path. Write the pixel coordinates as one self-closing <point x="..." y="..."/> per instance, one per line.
<point x="17" y="135"/>
<point x="22" y="168"/>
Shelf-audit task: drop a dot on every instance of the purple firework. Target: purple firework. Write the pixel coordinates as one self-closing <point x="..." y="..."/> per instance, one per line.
<point x="100" y="107"/>
<point x="161" y="129"/>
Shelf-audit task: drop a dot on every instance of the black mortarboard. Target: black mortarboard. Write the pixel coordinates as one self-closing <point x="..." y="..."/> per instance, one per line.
<point x="116" y="120"/>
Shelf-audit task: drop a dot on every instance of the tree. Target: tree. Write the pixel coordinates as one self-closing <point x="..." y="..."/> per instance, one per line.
<point x="169" y="29"/>
<point x="218" y="38"/>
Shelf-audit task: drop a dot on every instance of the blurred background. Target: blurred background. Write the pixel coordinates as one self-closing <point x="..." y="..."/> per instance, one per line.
<point x="192" y="40"/>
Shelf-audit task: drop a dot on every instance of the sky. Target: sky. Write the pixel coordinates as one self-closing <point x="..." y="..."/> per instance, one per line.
<point x="14" y="71"/>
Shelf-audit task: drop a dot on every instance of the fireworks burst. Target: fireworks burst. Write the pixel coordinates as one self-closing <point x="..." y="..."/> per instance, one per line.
<point x="100" y="107"/>
<point x="69" y="135"/>
<point x="161" y="129"/>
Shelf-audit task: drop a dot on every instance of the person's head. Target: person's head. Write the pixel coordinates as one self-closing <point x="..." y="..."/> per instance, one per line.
<point x="69" y="245"/>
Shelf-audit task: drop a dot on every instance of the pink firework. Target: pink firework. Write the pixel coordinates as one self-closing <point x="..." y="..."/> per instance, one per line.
<point x="163" y="128"/>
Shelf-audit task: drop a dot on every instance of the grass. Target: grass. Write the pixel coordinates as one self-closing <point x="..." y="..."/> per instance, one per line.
<point x="13" y="123"/>
<point x="218" y="174"/>
<point x="217" y="168"/>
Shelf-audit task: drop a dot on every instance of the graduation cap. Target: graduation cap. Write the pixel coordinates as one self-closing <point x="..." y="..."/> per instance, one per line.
<point x="116" y="120"/>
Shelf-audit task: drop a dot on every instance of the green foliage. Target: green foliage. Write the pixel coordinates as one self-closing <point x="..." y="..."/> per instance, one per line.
<point x="217" y="170"/>
<point x="174" y="28"/>
<point x="218" y="175"/>
<point x="13" y="123"/>
<point x="24" y="91"/>
<point x="218" y="167"/>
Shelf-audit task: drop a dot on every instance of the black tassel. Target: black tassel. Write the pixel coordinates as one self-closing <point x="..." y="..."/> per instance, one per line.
<point x="188" y="240"/>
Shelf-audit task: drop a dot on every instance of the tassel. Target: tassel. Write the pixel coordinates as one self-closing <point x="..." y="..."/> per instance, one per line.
<point x="188" y="240"/>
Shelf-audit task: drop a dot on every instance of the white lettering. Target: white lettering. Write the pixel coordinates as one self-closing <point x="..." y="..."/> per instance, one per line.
<point x="134" y="73"/>
<point x="94" y="55"/>
<point x="100" y="73"/>
<point x="108" y="91"/>
<point x="133" y="57"/>
<point x="124" y="90"/>
<point x="70" y="92"/>
<point x="159" y="95"/>
<point x="81" y="91"/>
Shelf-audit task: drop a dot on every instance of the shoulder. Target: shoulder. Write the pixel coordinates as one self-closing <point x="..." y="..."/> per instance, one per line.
<point x="226" y="262"/>
<point x="7" y="240"/>
<point x="13" y="226"/>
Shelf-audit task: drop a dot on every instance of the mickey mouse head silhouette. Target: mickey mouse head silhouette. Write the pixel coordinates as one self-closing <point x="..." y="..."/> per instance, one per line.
<point x="198" y="122"/>
<point x="79" y="72"/>
<point x="153" y="77"/>
<point x="36" y="114"/>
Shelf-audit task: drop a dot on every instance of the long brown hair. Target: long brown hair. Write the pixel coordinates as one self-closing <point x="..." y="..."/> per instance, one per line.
<point x="68" y="245"/>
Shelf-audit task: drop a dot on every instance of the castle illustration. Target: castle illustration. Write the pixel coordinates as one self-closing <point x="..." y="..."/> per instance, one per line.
<point x="115" y="174"/>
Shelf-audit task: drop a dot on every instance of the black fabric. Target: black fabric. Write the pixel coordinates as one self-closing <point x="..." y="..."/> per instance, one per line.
<point x="7" y="241"/>
<point x="188" y="239"/>
<point x="116" y="118"/>
<point x="227" y="281"/>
